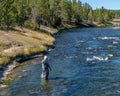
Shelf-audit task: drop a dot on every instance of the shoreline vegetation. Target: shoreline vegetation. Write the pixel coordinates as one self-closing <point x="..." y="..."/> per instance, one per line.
<point x="27" y="26"/>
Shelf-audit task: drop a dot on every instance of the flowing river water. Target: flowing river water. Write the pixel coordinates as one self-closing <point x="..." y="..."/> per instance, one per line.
<point x="85" y="62"/>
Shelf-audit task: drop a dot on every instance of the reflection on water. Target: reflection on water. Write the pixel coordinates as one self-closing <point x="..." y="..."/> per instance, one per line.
<point x="85" y="62"/>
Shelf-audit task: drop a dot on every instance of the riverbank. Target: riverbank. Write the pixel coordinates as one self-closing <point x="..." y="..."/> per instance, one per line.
<point x="22" y="44"/>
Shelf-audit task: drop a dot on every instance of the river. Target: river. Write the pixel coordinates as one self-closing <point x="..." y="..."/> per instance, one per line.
<point x="85" y="62"/>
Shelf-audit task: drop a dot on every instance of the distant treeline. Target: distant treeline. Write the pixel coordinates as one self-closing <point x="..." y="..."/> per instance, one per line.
<point x="33" y="13"/>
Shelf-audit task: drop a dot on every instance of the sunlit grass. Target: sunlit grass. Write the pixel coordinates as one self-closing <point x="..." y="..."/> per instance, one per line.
<point x="7" y="81"/>
<point x="23" y="42"/>
<point x="4" y="60"/>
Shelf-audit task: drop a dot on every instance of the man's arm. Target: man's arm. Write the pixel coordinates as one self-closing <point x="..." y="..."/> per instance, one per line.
<point x="49" y="67"/>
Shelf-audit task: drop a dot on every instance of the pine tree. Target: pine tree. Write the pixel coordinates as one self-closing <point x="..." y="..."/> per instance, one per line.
<point x="55" y="19"/>
<point x="63" y="10"/>
<point x="90" y="16"/>
<point x="79" y="12"/>
<point x="21" y="11"/>
<point x="86" y="9"/>
<point x="74" y="10"/>
<point x="44" y="10"/>
<point x="6" y="18"/>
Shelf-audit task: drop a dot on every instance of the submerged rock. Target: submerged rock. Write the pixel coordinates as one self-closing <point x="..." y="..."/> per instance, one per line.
<point x="3" y="86"/>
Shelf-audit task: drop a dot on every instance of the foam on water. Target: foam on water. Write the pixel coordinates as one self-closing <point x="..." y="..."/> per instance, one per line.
<point x="114" y="42"/>
<point x="108" y="38"/>
<point x="99" y="58"/>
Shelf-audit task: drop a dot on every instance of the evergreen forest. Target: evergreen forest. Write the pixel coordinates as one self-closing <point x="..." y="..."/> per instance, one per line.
<point x="54" y="13"/>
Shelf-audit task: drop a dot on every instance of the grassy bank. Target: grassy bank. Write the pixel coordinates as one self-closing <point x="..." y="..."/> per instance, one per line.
<point x="22" y="42"/>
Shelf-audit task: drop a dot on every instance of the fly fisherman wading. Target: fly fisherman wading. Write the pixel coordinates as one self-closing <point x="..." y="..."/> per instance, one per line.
<point x="45" y="68"/>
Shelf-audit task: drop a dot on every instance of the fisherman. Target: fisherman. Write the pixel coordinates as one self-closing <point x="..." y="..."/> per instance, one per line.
<point x="45" y="68"/>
